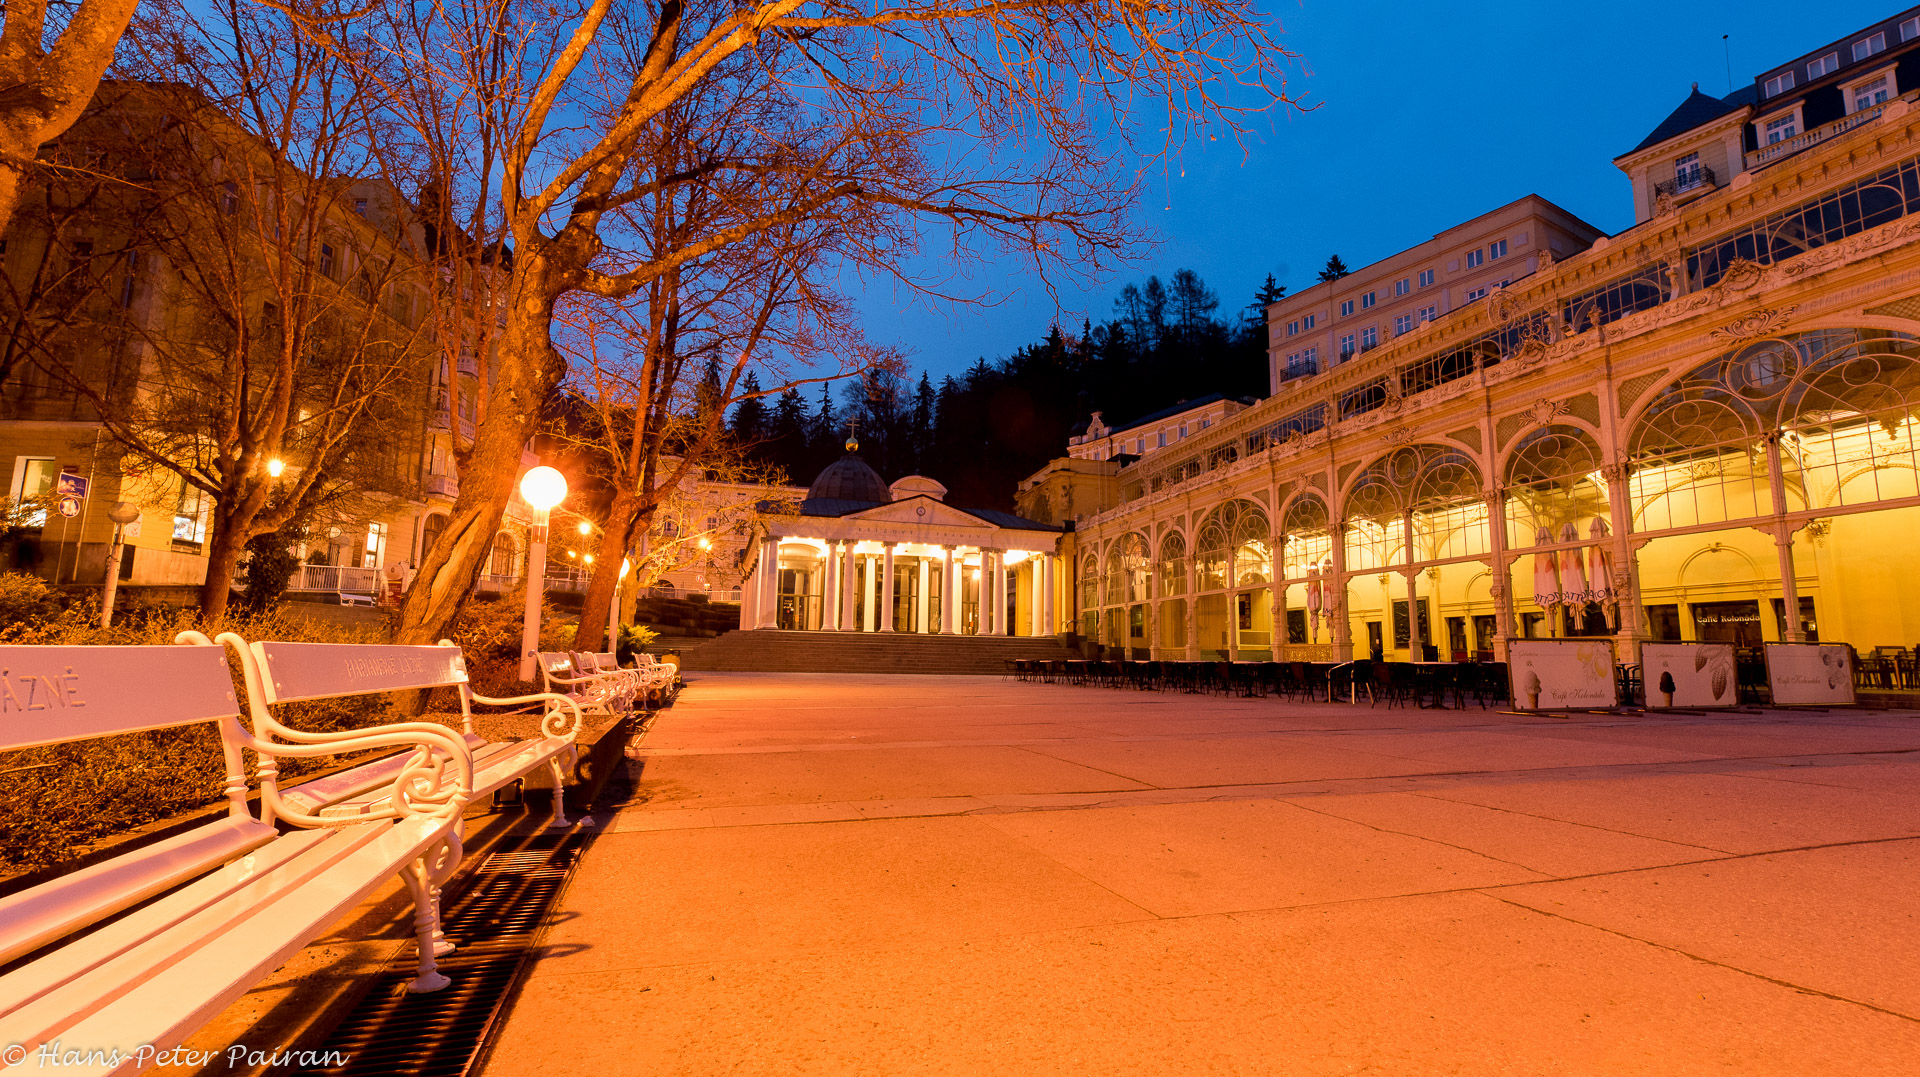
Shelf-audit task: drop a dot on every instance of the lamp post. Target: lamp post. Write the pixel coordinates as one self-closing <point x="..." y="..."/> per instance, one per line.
<point x="613" y="609"/>
<point x="121" y="514"/>
<point x="542" y="488"/>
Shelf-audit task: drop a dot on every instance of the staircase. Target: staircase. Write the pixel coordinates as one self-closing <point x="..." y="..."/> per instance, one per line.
<point x="767" y="650"/>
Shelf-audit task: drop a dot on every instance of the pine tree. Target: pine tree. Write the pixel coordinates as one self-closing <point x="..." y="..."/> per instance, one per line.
<point x="1334" y="269"/>
<point x="920" y="425"/>
<point x="750" y="418"/>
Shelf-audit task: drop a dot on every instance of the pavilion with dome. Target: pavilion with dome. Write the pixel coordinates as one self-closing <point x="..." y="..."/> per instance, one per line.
<point x="864" y="556"/>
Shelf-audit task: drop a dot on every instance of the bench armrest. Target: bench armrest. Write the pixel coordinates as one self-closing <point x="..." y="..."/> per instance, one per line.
<point x="553" y="724"/>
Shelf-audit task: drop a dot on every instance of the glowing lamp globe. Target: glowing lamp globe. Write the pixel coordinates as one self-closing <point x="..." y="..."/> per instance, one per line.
<point x="586" y="528"/>
<point x="626" y="566"/>
<point x="543" y="487"/>
<point x="275" y="466"/>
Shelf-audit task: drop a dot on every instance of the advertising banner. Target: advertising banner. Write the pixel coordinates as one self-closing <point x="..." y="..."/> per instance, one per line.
<point x="1552" y="674"/>
<point x="1688" y="675"/>
<point x="1810" y="674"/>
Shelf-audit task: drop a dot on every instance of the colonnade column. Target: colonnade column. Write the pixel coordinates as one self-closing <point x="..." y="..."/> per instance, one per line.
<point x="949" y="594"/>
<point x="1415" y="638"/>
<point x="984" y="624"/>
<point x="749" y="616"/>
<point x="1277" y="592"/>
<point x="886" y="588"/>
<point x="1626" y="568"/>
<point x="1502" y="571"/>
<point x="1003" y="617"/>
<point x="1334" y="594"/>
<point x="1193" y="609"/>
<point x="1050" y="625"/>
<point x="1783" y="543"/>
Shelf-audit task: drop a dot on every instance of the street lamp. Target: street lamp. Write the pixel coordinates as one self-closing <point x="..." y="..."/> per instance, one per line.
<point x="121" y="514"/>
<point x="275" y="466"/>
<point x="613" y="608"/>
<point x="542" y="488"/>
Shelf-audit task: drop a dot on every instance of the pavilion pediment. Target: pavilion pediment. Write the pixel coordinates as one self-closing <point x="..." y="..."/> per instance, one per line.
<point x="919" y="511"/>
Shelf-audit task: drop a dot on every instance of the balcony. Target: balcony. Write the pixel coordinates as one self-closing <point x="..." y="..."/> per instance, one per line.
<point x="468" y="365"/>
<point x="1696" y="181"/>
<point x="446" y="486"/>
<point x="1299" y="370"/>
<point x="1787" y="147"/>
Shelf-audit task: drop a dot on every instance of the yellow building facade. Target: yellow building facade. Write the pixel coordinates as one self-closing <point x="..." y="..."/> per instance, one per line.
<point x="1704" y="427"/>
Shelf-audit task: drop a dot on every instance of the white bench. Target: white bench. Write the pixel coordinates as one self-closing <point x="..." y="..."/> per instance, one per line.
<point x="601" y="693"/>
<point x="231" y="900"/>
<point x="296" y="672"/>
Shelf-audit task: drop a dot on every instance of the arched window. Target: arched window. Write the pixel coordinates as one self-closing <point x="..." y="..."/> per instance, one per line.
<point x="505" y="549"/>
<point x="1554" y="477"/>
<point x="1232" y="547"/>
<point x="1173" y="565"/>
<point x="1439" y="486"/>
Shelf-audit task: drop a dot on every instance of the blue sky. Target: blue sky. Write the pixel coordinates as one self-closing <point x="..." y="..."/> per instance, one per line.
<point x="1429" y="114"/>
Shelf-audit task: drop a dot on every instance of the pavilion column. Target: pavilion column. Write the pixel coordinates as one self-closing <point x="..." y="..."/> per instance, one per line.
<point x="886" y="589"/>
<point x="870" y="594"/>
<point x="830" y="590"/>
<point x="1502" y="565"/>
<point x="921" y="599"/>
<point x="767" y="599"/>
<point x="749" y="616"/>
<point x="1193" y="608"/>
<point x="983" y="625"/>
<point x="1002" y="617"/>
<point x="1334" y="595"/>
<point x="1626" y="569"/>
<point x="1277" y="593"/>
<point x="1233" y="615"/>
<point x="949" y="594"/>
<point x="849" y="579"/>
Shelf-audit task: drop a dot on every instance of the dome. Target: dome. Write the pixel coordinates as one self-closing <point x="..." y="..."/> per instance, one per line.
<point x="918" y="486"/>
<point x="849" y="479"/>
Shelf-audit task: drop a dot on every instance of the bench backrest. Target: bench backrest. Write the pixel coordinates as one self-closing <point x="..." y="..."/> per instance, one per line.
<point x="293" y="672"/>
<point x="50" y="695"/>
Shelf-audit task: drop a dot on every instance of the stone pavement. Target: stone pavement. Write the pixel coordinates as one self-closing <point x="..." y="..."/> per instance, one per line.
<point x="837" y="874"/>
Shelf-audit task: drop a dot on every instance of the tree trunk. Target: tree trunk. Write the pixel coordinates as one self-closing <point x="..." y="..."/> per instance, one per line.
<point x="528" y="373"/>
<point x="223" y="553"/>
<point x="9" y="186"/>
<point x="615" y="540"/>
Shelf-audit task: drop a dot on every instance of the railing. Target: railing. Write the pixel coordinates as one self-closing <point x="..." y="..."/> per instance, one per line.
<point x="363" y="581"/>
<point x="490" y="584"/>
<point x="446" y="486"/>
<point x="1699" y="179"/>
<point x="1299" y="370"/>
<point x="575" y="580"/>
<point x="1786" y="147"/>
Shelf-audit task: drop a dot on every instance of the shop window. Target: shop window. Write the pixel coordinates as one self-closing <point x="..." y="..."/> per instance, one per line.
<point x="1808" y="625"/>
<point x="1737" y="623"/>
<point x="1663" y="623"/>
<point x="32" y="483"/>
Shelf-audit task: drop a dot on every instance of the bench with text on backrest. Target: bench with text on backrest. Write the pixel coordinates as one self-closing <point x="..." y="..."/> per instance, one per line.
<point x="598" y="693"/>
<point x="625" y="683"/>
<point x="218" y="908"/>
<point x="296" y="672"/>
<point x="646" y="675"/>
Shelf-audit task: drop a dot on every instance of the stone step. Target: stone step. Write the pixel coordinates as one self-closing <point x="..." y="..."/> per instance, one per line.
<point x="778" y="651"/>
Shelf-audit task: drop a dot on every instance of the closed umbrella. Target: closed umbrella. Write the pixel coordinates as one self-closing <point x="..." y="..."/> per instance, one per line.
<point x="1546" y="572"/>
<point x="1600" y="572"/>
<point x="1313" y="600"/>
<point x="1573" y="569"/>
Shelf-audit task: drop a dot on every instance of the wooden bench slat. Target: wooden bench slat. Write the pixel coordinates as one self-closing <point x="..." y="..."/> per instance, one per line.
<point x="494" y="767"/>
<point x="49" y="695"/>
<point x="187" y="930"/>
<point x="300" y="671"/>
<point x="36" y="978"/>
<point x="165" y="1007"/>
<point x="36" y="916"/>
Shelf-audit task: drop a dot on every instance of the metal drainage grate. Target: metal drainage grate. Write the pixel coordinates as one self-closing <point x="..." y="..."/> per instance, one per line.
<point x="494" y="919"/>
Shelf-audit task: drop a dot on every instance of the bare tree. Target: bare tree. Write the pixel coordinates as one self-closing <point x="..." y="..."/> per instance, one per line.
<point x="45" y="84"/>
<point x="975" y="121"/>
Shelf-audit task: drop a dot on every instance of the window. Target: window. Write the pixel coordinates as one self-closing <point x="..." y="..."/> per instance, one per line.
<point x="1140" y="446"/>
<point x="229" y="198"/>
<point x="1497" y="249"/>
<point x="1293" y="327"/>
<point x="1825" y="65"/>
<point x="1910" y="29"/>
<point x="1183" y="429"/>
<point x="1782" y="82"/>
<point x="1346" y="345"/>
<point x="1163" y="440"/>
<point x="33" y="480"/>
<point x="326" y="260"/>
<point x="1476" y="257"/>
<point x="670" y="528"/>
<point x="1426" y="278"/>
<point x="1686" y="172"/>
<point x="1205" y="422"/>
<point x="1429" y="313"/>
<point x="1402" y="286"/>
<point x="1781" y="128"/>
<point x="1310" y="356"/>
<point x="1869" y="46"/>
<point x="1346" y="308"/>
<point x="1477" y="293"/>
<point x="376" y="538"/>
<point x="1403" y="324"/>
<point x="1870" y="93"/>
<point x="502" y="555"/>
<point x="1369" y="337"/>
<point x="1307" y="321"/>
<point x="360" y="206"/>
<point x="190" y="515"/>
<point x="1366" y="301"/>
